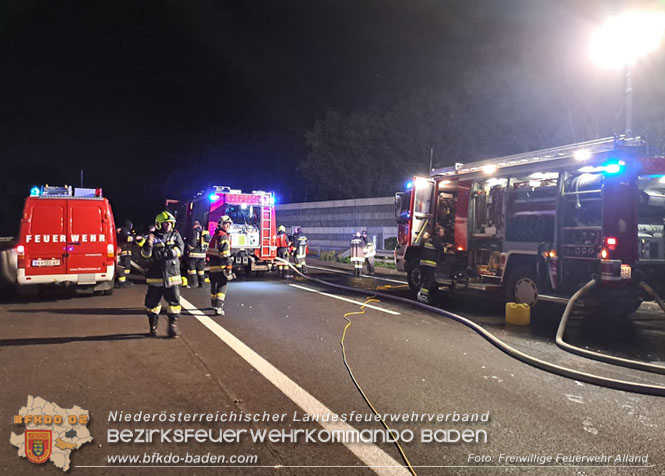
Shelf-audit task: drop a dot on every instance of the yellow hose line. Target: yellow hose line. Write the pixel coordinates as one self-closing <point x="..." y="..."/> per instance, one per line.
<point x="355" y="382"/>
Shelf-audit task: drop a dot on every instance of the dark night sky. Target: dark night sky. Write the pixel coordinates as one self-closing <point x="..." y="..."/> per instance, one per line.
<point x="145" y="94"/>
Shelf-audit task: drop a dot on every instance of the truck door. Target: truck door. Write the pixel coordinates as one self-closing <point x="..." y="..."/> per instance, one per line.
<point x="45" y="240"/>
<point x="422" y="208"/>
<point x="87" y="240"/>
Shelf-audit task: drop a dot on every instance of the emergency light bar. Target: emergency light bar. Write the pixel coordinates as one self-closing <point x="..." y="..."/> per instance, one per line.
<point x="580" y="152"/>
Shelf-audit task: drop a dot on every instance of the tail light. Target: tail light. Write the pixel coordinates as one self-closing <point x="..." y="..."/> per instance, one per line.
<point x="604" y="253"/>
<point x="460" y="248"/>
<point x="110" y="250"/>
<point x="611" y="243"/>
<point x="20" y="253"/>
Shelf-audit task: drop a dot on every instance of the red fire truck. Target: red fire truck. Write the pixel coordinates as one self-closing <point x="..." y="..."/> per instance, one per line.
<point x="67" y="237"/>
<point x="253" y="234"/>
<point x="536" y="226"/>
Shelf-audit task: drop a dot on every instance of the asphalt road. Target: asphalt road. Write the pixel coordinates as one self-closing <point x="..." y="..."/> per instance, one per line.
<point x="277" y="351"/>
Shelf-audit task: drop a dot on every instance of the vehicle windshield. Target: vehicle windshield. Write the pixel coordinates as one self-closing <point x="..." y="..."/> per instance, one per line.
<point x="243" y="214"/>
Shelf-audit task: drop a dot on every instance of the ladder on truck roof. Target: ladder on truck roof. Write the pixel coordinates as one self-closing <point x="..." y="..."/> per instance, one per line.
<point x="266" y="230"/>
<point x="581" y="150"/>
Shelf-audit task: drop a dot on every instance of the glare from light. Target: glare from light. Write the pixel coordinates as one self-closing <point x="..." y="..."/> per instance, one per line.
<point x="34" y="191"/>
<point x="243" y="206"/>
<point x="662" y="179"/>
<point x="625" y="38"/>
<point x="489" y="169"/>
<point x="409" y="185"/>
<point x="213" y="197"/>
<point x="582" y="154"/>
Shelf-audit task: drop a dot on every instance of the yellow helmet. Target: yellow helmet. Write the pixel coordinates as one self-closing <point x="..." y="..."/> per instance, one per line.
<point x="164" y="217"/>
<point x="281" y="228"/>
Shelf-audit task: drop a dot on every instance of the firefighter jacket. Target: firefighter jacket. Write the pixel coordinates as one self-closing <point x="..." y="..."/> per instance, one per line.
<point x="198" y="243"/>
<point x="125" y="238"/>
<point x="219" y="252"/>
<point x="163" y="257"/>
<point x="283" y="240"/>
<point x="357" y="253"/>
<point x="300" y="245"/>
<point x="432" y="251"/>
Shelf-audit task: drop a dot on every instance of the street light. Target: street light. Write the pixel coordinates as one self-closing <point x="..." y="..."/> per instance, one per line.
<point x="624" y="39"/>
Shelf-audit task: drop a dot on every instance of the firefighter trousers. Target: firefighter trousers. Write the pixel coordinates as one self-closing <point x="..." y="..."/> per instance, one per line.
<point x="218" y="285"/>
<point x="195" y="272"/>
<point x="153" y="306"/>
<point x="284" y="254"/>
<point x="427" y="288"/>
<point x="124" y="268"/>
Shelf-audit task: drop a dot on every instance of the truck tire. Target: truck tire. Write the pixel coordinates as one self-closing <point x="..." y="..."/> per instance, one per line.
<point x="413" y="275"/>
<point x="523" y="286"/>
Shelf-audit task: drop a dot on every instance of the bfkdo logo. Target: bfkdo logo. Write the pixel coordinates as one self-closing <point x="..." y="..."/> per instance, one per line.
<point x="52" y="433"/>
<point x="38" y="444"/>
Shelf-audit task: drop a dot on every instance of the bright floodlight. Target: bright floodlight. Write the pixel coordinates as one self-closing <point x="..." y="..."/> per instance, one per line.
<point x="623" y="39"/>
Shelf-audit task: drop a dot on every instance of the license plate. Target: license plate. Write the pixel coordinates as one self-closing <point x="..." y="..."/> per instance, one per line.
<point x="626" y="271"/>
<point x="45" y="262"/>
<point x="86" y="279"/>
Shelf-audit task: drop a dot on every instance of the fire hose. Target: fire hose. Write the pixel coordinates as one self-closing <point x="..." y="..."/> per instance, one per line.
<point x="616" y="384"/>
<point x="633" y="364"/>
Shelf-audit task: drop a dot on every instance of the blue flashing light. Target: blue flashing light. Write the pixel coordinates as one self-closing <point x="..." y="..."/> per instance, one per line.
<point x="409" y="185"/>
<point x="35" y="192"/>
<point x="614" y="167"/>
<point x="213" y="197"/>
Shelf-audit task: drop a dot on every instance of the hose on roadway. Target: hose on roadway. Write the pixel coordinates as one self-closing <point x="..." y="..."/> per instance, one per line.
<point x="616" y="384"/>
<point x="609" y="359"/>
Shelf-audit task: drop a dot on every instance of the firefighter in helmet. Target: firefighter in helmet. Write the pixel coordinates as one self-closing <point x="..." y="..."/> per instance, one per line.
<point x="163" y="249"/>
<point x="283" y="245"/>
<point x="197" y="246"/>
<point x="221" y="264"/>
<point x="300" y="250"/>
<point x="369" y="251"/>
<point x="357" y="253"/>
<point x="125" y="238"/>
<point x="433" y="248"/>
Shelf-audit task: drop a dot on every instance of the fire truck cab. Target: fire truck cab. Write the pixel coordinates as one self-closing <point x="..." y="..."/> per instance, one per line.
<point x="253" y="234"/>
<point x="537" y="226"/>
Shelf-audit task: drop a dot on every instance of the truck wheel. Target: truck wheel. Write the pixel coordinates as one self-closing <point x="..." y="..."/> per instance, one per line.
<point x="523" y="286"/>
<point x="413" y="275"/>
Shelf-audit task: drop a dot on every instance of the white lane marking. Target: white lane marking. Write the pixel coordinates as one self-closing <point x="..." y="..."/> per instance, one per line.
<point x="349" y="273"/>
<point x="359" y="303"/>
<point x="371" y="455"/>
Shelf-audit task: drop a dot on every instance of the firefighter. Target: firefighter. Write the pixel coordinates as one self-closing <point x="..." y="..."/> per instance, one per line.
<point x="221" y="264"/>
<point x="197" y="246"/>
<point x="300" y="250"/>
<point x="163" y="249"/>
<point x="432" y="250"/>
<point x="369" y="251"/>
<point x="283" y="245"/>
<point x="125" y="238"/>
<point x="357" y="254"/>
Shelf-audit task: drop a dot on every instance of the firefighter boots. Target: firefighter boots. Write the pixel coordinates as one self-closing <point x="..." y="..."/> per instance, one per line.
<point x="152" y="322"/>
<point x="173" y="328"/>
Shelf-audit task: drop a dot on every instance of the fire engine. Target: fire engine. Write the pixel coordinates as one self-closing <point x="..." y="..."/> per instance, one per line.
<point x="67" y="236"/>
<point x="536" y="226"/>
<point x="253" y="234"/>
